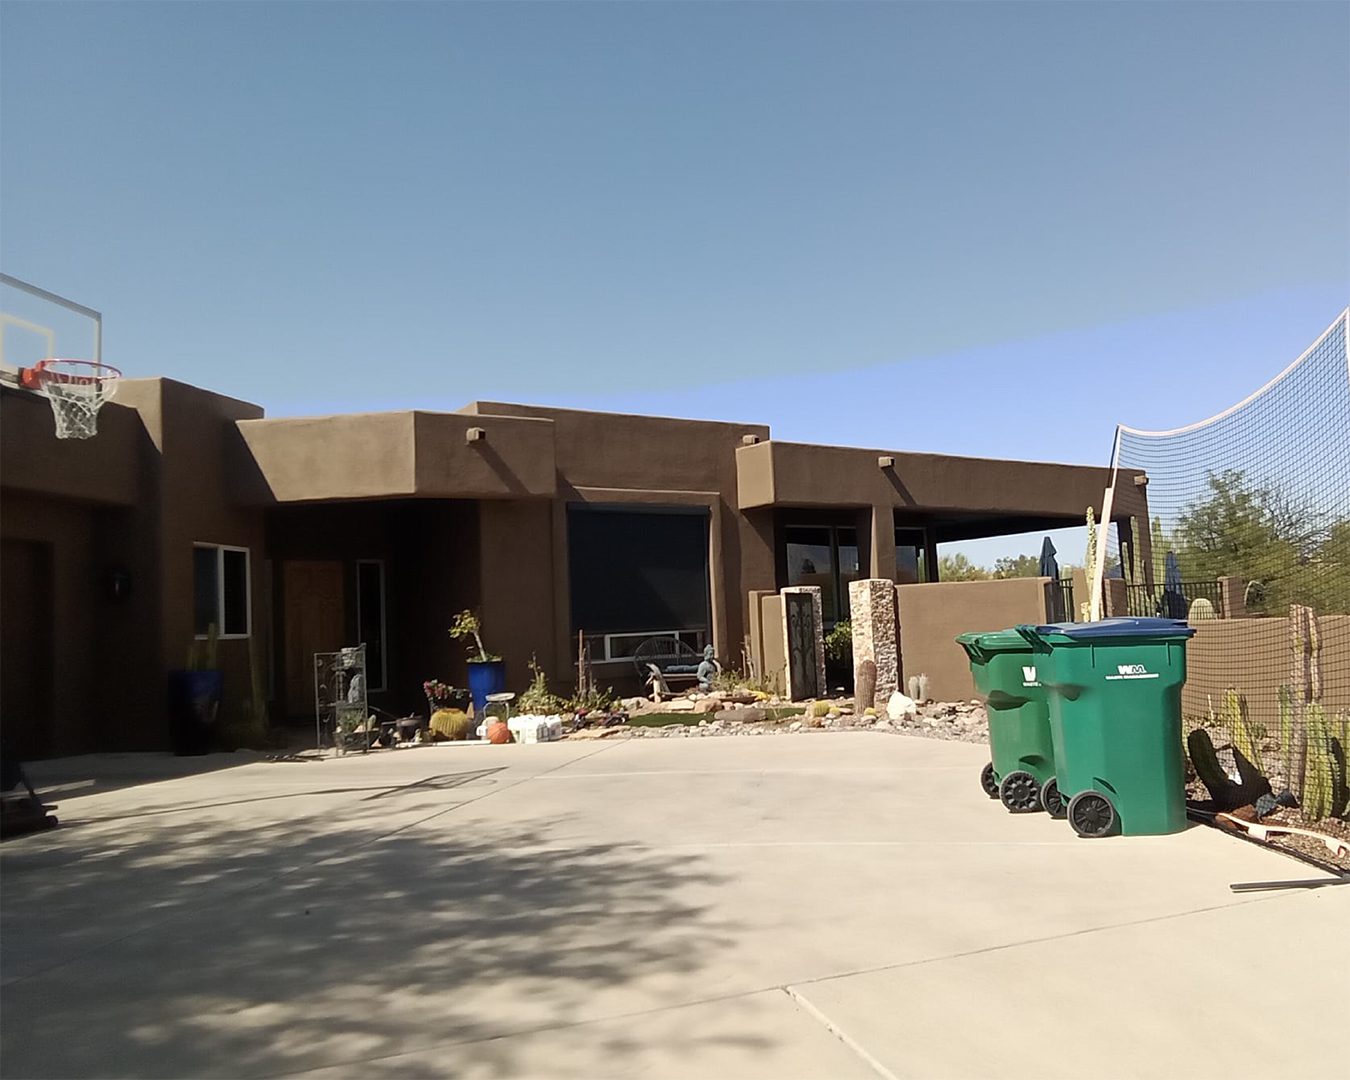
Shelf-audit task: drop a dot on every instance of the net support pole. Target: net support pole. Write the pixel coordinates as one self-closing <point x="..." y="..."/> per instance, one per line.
<point x="1103" y="532"/>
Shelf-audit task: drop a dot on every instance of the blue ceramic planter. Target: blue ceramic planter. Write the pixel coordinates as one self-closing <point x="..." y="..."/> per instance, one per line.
<point x="485" y="677"/>
<point x="194" y="701"/>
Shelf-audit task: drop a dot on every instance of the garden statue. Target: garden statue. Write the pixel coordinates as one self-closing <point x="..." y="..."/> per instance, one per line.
<point x="707" y="670"/>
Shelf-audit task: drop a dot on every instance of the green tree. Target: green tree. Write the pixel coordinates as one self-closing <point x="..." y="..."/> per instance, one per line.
<point x="1261" y="534"/>
<point x="958" y="568"/>
<point x="1016" y="566"/>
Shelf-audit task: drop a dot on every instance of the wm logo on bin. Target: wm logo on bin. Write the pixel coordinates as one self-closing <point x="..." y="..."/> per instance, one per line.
<point x="1133" y="671"/>
<point x="1029" y="677"/>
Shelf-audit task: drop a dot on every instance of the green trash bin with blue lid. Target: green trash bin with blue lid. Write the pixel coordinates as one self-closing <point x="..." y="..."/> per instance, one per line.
<point x="1114" y="693"/>
<point x="1021" y="773"/>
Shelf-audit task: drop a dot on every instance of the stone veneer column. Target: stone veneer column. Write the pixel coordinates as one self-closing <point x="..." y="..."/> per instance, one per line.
<point x="818" y="622"/>
<point x="871" y="604"/>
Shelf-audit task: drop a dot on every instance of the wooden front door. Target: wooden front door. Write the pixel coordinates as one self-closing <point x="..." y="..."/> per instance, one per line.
<point x="312" y="621"/>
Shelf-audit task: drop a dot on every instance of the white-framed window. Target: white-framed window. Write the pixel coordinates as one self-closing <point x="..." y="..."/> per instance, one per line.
<point x="220" y="591"/>
<point x="606" y="647"/>
<point x="370" y="621"/>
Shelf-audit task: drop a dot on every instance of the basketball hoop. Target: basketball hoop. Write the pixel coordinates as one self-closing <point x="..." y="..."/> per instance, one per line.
<point x="76" y="389"/>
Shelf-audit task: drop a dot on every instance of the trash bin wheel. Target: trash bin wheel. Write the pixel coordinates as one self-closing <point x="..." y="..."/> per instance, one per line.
<point x="1091" y="814"/>
<point x="1020" y="793"/>
<point x="1051" y="799"/>
<point x="989" y="781"/>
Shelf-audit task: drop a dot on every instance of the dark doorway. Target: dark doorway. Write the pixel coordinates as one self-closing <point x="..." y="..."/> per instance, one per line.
<point x="26" y="648"/>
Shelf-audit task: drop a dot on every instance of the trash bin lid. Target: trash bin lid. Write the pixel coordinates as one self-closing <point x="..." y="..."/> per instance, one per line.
<point x="995" y="641"/>
<point x="1120" y="628"/>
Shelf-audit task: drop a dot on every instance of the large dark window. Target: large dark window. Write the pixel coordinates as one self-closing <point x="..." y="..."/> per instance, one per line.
<point x="824" y="555"/>
<point x="637" y="572"/>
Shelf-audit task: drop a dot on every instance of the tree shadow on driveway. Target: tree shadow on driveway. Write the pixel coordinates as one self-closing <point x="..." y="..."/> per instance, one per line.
<point x="196" y="949"/>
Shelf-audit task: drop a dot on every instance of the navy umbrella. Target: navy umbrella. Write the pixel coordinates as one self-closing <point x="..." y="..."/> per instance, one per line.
<point x="1049" y="567"/>
<point x="1174" y="601"/>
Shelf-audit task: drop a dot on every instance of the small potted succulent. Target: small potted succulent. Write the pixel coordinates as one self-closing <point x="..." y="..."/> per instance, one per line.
<point x="487" y="671"/>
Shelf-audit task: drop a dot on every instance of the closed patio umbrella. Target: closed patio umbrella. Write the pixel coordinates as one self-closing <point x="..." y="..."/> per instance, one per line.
<point x="1049" y="566"/>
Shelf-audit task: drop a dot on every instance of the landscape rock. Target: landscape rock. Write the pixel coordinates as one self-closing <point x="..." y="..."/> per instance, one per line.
<point x="900" y="706"/>
<point x="748" y="715"/>
<point x="681" y="705"/>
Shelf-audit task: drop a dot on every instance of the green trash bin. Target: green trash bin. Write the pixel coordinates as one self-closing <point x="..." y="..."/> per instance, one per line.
<point x="1022" y="772"/>
<point x="1114" y="692"/>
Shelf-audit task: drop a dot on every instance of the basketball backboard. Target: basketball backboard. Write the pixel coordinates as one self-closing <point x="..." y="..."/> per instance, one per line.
<point x="39" y="325"/>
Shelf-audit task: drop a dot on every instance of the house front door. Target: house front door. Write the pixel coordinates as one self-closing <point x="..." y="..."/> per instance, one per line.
<point x="312" y="621"/>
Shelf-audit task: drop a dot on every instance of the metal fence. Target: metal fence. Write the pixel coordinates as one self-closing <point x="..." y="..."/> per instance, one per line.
<point x="1061" y="601"/>
<point x="1146" y="600"/>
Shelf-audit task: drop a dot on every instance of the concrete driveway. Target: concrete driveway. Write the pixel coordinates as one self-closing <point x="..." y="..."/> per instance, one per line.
<point x="820" y="905"/>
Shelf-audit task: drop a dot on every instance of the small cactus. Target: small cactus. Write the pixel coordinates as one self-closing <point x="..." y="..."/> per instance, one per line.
<point x="1340" y="782"/>
<point x="1200" y="609"/>
<point x="1239" y="732"/>
<point x="450" y="724"/>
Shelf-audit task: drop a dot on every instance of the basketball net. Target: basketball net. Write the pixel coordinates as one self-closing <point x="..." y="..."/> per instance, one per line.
<point x="76" y="390"/>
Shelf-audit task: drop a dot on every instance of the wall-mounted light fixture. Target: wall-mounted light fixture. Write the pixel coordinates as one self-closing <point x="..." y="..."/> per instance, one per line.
<point x="1141" y="481"/>
<point x="475" y="434"/>
<point x="749" y="440"/>
<point x="885" y="461"/>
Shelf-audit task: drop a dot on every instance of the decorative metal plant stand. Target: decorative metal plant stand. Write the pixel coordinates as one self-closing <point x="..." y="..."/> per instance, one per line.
<point x="341" y="709"/>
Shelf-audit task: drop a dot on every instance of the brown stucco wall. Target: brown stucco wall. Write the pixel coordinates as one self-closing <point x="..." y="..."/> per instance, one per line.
<point x="932" y="615"/>
<point x="516" y="579"/>
<point x="798" y="474"/>
<point x="615" y="458"/>
<point x="1252" y="656"/>
<point x="383" y="455"/>
<point x="106" y="468"/>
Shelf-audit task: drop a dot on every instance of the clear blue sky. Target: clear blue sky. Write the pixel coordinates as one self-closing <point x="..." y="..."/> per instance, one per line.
<point x="1002" y="227"/>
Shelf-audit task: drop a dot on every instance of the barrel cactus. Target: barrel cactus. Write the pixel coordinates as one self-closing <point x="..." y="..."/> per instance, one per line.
<point x="452" y="724"/>
<point x="1200" y="609"/>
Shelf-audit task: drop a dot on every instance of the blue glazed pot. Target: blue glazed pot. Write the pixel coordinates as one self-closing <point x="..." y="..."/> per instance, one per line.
<point x="194" y="702"/>
<point x="485" y="677"/>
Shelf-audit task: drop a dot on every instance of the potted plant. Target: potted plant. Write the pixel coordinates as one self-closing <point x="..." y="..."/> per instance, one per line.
<point x="194" y="697"/>
<point x="444" y="696"/>
<point x="487" y="671"/>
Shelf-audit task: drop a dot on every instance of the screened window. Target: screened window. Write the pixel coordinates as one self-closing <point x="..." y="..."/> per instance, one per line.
<point x="370" y="621"/>
<point x="638" y="572"/>
<point x="220" y="591"/>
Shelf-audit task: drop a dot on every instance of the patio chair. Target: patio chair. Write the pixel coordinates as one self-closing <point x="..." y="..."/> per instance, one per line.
<point x="663" y="660"/>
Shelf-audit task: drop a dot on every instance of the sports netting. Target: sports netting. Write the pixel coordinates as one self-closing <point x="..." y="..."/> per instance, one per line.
<point x="1241" y="524"/>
